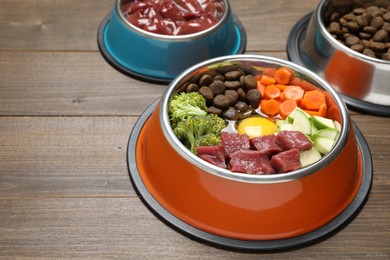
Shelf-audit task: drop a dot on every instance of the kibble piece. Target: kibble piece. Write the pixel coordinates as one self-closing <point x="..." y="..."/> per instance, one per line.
<point x="380" y="36"/>
<point x="386" y="56"/>
<point x="377" y="46"/>
<point x="214" y="110"/>
<point x="241" y="106"/>
<point x="241" y="94"/>
<point x="219" y="77"/>
<point x="352" y="40"/>
<point x="334" y="17"/>
<point x="205" y="80"/>
<point x="232" y="84"/>
<point x="357" y="47"/>
<point x="364" y="35"/>
<point x="335" y="28"/>
<point x="377" y="22"/>
<point x="253" y="96"/>
<point x="359" y="11"/>
<point x="369" y="29"/>
<point x="369" y="53"/>
<point x="232" y="96"/>
<point x="207" y="93"/>
<point x="350" y="17"/>
<point x="232" y="75"/>
<point x="231" y="114"/>
<point x="250" y="82"/>
<point x="386" y="17"/>
<point x="221" y="101"/>
<point x="218" y="87"/>
<point x="192" y="88"/>
<point x="362" y="21"/>
<point x="365" y="43"/>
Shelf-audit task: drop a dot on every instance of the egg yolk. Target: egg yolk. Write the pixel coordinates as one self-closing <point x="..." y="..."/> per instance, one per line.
<point x="256" y="126"/>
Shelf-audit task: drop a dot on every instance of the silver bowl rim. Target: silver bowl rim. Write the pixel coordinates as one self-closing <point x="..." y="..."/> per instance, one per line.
<point x="249" y="178"/>
<point x="320" y="19"/>
<point x="175" y="38"/>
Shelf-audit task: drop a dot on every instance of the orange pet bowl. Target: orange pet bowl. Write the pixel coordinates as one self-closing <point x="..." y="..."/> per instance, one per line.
<point x="246" y="211"/>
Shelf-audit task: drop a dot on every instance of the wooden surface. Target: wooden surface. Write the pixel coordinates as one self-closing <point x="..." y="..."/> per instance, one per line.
<point x="65" y="119"/>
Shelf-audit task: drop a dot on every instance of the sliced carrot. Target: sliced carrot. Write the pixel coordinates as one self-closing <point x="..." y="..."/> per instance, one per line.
<point x="282" y="97"/>
<point x="321" y="112"/>
<point x="283" y="76"/>
<point x="269" y="72"/>
<point x="260" y="87"/>
<point x="312" y="100"/>
<point x="281" y="87"/>
<point x="294" y="93"/>
<point x="271" y="91"/>
<point x="267" y="80"/>
<point x="287" y="107"/>
<point x="269" y="107"/>
<point x="303" y="84"/>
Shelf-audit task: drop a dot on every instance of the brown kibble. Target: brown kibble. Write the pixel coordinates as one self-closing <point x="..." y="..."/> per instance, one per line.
<point x="369" y="29"/>
<point x="357" y="47"/>
<point x="334" y="28"/>
<point x="241" y="106"/>
<point x="241" y="94"/>
<point x="232" y="84"/>
<point x="219" y="77"/>
<point x="253" y="96"/>
<point x="214" y="110"/>
<point x="377" y="46"/>
<point x="364" y="35"/>
<point x="386" y="27"/>
<point x="377" y="22"/>
<point x="352" y="40"/>
<point x="232" y="96"/>
<point x="365" y="43"/>
<point x="359" y="11"/>
<point x="217" y="87"/>
<point x="380" y="36"/>
<point x="192" y="88"/>
<point x="369" y="53"/>
<point x="250" y="82"/>
<point x="350" y="17"/>
<point x="362" y="21"/>
<point x="334" y="17"/>
<point x="386" y="56"/>
<point x="207" y="93"/>
<point x="386" y="17"/>
<point x="352" y="26"/>
<point x="231" y="114"/>
<point x="232" y="75"/>
<point x="221" y="101"/>
<point x="205" y="80"/>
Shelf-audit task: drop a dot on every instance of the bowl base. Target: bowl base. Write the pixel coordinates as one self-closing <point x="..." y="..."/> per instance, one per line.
<point x="317" y="235"/>
<point x="294" y="54"/>
<point x="239" y="49"/>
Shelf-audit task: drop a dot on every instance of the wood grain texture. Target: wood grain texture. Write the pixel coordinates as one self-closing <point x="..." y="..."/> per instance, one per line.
<point x="65" y="119"/>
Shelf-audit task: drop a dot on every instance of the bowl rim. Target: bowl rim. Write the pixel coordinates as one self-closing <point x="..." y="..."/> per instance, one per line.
<point x="184" y="37"/>
<point x="321" y="24"/>
<point x="250" y="178"/>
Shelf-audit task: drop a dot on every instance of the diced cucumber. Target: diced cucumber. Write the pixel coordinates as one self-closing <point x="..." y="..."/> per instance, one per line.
<point x="309" y="156"/>
<point x="279" y="122"/>
<point x="285" y="127"/>
<point x="329" y="133"/>
<point x="337" y="126"/>
<point x="323" y="144"/>
<point x="321" y="122"/>
<point x="291" y="116"/>
<point x="301" y="122"/>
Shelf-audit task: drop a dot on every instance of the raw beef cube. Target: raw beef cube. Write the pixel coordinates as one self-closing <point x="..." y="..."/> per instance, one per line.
<point x="214" y="154"/>
<point x="286" y="161"/>
<point x="293" y="139"/>
<point x="250" y="161"/>
<point x="233" y="142"/>
<point x="266" y="144"/>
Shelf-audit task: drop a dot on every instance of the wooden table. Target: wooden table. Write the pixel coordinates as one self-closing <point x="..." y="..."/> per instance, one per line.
<point x="65" y="119"/>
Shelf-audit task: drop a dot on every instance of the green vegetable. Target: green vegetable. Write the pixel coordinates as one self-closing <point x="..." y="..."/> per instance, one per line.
<point x="200" y="130"/>
<point x="185" y="105"/>
<point x="309" y="157"/>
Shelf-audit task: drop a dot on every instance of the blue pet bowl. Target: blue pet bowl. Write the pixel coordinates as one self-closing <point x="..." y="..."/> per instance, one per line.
<point x="160" y="58"/>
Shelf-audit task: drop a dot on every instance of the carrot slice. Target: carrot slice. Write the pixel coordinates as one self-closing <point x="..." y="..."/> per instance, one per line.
<point x="287" y="107"/>
<point x="267" y="80"/>
<point x="269" y="72"/>
<point x="321" y="112"/>
<point x="283" y="76"/>
<point x="294" y="92"/>
<point x="281" y="87"/>
<point x="269" y="107"/>
<point x="261" y="88"/>
<point x="312" y="100"/>
<point x="271" y="91"/>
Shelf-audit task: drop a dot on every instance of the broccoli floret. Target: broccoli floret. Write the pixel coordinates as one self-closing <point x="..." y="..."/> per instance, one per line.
<point x="185" y="105"/>
<point x="200" y="130"/>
